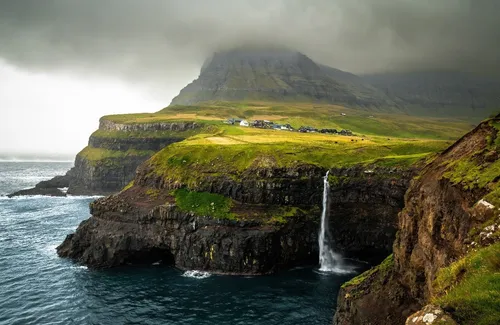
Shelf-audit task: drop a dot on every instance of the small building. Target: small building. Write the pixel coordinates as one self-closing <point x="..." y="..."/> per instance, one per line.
<point x="307" y="129"/>
<point x="258" y="124"/>
<point x="244" y="123"/>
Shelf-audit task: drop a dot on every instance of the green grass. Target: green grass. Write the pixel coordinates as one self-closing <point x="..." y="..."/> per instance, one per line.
<point x="282" y="214"/>
<point x="204" y="203"/>
<point x="316" y="115"/>
<point x="381" y="269"/>
<point x="129" y="185"/>
<point x="146" y="134"/>
<point x="95" y="155"/>
<point x="480" y="169"/>
<point x="206" y="155"/>
<point x="470" y="287"/>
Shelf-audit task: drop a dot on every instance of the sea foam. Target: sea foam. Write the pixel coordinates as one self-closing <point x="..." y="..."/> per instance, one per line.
<point x="196" y="274"/>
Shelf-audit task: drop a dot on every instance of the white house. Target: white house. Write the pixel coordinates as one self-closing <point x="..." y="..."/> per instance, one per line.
<point x="244" y="123"/>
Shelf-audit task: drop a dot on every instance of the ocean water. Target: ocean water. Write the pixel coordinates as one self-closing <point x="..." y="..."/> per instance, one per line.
<point x="38" y="287"/>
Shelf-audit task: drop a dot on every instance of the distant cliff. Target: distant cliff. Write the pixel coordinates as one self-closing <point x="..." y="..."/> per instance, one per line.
<point x="115" y="151"/>
<point x="112" y="156"/>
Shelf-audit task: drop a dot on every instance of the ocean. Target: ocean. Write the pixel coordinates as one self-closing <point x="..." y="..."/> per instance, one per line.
<point x="38" y="287"/>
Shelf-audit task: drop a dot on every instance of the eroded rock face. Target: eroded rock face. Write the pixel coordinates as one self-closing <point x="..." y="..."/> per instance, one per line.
<point x="434" y="229"/>
<point x="107" y="125"/>
<point x="435" y="224"/>
<point x="119" y="233"/>
<point x="130" y="228"/>
<point x="102" y="178"/>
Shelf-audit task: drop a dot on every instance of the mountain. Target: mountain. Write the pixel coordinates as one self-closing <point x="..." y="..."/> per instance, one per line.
<point x="278" y="75"/>
<point x="263" y="74"/>
<point x="440" y="92"/>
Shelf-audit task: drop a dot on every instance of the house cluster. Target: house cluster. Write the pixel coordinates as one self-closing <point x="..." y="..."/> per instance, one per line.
<point x="265" y="124"/>
<point x="310" y="129"/>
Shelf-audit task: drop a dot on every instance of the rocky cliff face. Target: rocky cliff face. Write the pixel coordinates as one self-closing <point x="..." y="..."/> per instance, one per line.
<point x="275" y="74"/>
<point x="445" y="207"/>
<point x="112" y="156"/>
<point x="143" y="223"/>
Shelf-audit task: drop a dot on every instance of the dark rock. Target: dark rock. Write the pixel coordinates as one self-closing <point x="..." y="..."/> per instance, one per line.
<point x="38" y="191"/>
<point x="111" y="238"/>
<point x="56" y="182"/>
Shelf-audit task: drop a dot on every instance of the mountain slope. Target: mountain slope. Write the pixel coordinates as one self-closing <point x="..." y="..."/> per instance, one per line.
<point x="277" y="75"/>
<point x="440" y="92"/>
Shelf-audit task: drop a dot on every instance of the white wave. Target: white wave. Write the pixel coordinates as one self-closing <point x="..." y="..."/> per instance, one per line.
<point x="196" y="274"/>
<point x="337" y="270"/>
<point x="69" y="197"/>
<point x="82" y="197"/>
<point x="63" y="189"/>
<point x="49" y="250"/>
<point x="80" y="267"/>
<point x="156" y="263"/>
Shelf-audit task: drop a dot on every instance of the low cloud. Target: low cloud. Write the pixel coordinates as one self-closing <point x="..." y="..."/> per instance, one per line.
<point x="156" y="42"/>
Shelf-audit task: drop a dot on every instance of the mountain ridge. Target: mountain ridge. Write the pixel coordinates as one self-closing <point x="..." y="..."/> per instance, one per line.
<point x="282" y="75"/>
<point x="290" y="76"/>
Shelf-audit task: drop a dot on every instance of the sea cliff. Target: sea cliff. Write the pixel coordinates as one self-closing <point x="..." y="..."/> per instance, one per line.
<point x="270" y="223"/>
<point x="445" y="252"/>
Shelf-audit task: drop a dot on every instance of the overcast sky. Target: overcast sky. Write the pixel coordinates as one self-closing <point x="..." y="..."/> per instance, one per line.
<point x="65" y="63"/>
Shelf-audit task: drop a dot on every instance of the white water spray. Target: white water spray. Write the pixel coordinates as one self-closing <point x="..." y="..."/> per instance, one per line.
<point x="329" y="261"/>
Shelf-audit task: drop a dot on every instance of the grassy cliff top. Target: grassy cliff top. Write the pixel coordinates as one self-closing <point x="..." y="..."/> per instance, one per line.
<point x="307" y="114"/>
<point x="234" y="149"/>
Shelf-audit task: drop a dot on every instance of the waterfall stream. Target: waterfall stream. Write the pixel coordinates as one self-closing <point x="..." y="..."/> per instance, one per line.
<point x="329" y="261"/>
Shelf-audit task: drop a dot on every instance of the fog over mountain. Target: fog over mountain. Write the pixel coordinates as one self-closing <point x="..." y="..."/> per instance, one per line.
<point x="151" y="49"/>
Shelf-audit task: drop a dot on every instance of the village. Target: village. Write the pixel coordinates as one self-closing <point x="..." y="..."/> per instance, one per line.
<point x="265" y="124"/>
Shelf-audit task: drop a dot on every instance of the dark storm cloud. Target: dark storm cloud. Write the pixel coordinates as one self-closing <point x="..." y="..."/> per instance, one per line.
<point x="159" y="40"/>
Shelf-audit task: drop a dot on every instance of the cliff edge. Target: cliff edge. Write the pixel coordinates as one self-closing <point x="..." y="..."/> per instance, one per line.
<point x="446" y="249"/>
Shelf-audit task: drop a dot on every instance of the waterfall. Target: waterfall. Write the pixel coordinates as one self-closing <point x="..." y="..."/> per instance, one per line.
<point x="329" y="261"/>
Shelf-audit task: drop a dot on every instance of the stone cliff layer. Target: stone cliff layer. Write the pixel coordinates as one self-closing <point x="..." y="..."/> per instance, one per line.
<point x="146" y="221"/>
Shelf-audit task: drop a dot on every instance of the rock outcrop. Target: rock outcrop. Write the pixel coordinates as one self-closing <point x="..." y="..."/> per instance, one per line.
<point x="443" y="211"/>
<point x="56" y="186"/>
<point x="143" y="223"/>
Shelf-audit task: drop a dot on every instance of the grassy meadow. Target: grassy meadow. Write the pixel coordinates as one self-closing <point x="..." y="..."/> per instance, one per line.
<point x="379" y="138"/>
<point x="316" y="115"/>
